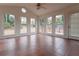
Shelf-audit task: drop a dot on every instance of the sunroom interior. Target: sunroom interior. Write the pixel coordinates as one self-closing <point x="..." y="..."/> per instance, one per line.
<point x="39" y="29"/>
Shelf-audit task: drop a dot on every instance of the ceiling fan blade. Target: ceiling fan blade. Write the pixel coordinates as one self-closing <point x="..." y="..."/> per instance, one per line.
<point x="43" y="7"/>
<point x="40" y="6"/>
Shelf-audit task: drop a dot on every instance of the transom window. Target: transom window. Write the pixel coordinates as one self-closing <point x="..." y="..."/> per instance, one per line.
<point x="23" y="10"/>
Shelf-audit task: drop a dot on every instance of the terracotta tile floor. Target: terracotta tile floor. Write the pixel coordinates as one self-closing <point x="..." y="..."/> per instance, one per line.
<point x="38" y="45"/>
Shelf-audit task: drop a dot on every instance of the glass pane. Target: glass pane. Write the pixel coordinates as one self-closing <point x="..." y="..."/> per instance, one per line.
<point x="23" y="25"/>
<point x="59" y="28"/>
<point x="9" y="26"/>
<point x="49" y="25"/>
<point x="33" y="25"/>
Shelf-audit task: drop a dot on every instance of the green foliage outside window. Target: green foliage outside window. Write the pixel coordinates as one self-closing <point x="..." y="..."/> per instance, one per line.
<point x="8" y="21"/>
<point x="60" y="20"/>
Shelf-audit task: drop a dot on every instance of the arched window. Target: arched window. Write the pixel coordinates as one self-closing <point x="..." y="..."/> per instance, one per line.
<point x="23" y="10"/>
<point x="9" y="24"/>
<point x="23" y="25"/>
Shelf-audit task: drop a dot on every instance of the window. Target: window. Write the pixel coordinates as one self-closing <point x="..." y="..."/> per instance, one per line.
<point x="23" y="25"/>
<point x="33" y="25"/>
<point x="9" y="24"/>
<point x="41" y="26"/>
<point x="49" y="25"/>
<point x="59" y="28"/>
<point x="23" y="10"/>
<point x="74" y="25"/>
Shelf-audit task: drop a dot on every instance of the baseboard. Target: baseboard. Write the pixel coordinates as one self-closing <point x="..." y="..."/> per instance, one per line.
<point x="12" y="36"/>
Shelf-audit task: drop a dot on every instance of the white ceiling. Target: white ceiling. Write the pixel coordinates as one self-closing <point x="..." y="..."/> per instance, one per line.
<point x="50" y="7"/>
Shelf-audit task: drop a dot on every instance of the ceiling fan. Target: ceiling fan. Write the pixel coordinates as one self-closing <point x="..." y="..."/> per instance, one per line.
<point x="40" y="6"/>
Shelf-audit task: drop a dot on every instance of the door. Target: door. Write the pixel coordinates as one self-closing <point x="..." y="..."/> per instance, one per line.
<point x="74" y="25"/>
<point x="59" y="25"/>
